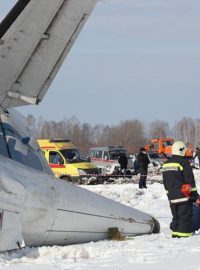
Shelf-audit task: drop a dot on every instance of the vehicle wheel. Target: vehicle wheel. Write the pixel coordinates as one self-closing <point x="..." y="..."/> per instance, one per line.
<point x="67" y="178"/>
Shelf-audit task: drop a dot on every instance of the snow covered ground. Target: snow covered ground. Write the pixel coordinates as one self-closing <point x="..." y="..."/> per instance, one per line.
<point x="155" y="252"/>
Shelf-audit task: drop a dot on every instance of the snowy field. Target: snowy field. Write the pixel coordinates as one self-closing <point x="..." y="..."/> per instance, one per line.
<point x="155" y="252"/>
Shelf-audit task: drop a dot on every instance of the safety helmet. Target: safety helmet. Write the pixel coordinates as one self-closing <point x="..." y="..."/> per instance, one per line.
<point x="179" y="148"/>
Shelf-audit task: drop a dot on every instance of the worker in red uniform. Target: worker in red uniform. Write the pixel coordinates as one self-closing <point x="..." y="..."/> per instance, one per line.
<point x="178" y="180"/>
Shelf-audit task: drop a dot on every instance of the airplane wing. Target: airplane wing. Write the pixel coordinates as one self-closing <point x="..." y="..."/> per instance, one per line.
<point x="35" y="38"/>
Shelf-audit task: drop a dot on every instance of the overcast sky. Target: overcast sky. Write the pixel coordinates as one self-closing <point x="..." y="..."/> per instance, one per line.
<point x="133" y="59"/>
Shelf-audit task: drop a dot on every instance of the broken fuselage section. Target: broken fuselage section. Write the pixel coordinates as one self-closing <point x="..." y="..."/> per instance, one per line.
<point x="38" y="209"/>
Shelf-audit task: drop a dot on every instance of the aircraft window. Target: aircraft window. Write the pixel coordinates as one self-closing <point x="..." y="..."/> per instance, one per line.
<point x="33" y="161"/>
<point x="20" y="152"/>
<point x="23" y="155"/>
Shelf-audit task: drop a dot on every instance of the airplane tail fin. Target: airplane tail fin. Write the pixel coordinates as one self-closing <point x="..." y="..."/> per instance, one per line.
<point x="36" y="38"/>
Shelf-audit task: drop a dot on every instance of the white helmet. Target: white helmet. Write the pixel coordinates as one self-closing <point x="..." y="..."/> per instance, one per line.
<point x="179" y="148"/>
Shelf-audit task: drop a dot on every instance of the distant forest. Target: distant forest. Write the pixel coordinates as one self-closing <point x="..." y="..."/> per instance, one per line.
<point x="132" y="134"/>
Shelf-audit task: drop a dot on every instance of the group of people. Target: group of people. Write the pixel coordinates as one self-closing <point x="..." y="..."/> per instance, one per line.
<point x="141" y="164"/>
<point x="179" y="183"/>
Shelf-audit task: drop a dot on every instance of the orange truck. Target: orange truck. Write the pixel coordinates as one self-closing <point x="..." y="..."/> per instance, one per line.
<point x="164" y="146"/>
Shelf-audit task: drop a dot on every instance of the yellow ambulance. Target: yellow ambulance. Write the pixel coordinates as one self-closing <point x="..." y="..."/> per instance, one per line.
<point x="67" y="162"/>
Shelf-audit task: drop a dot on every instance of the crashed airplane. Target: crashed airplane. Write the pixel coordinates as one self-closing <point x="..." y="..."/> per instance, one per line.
<point x="35" y="207"/>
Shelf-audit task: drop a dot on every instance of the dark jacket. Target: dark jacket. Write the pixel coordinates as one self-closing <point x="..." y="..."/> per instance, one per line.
<point x="197" y="154"/>
<point x="176" y="172"/>
<point x="123" y="161"/>
<point x="143" y="162"/>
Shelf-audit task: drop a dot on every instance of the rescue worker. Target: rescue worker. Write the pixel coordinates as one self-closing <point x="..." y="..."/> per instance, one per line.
<point x="123" y="162"/>
<point x="143" y="162"/>
<point x="178" y="180"/>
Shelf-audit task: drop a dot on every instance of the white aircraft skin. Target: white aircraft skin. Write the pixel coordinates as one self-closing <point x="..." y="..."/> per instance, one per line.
<point x="35" y="207"/>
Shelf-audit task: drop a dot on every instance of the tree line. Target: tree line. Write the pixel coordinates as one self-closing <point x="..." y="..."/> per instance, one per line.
<point x="132" y="134"/>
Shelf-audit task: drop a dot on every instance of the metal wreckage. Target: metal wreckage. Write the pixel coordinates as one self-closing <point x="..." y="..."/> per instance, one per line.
<point x="35" y="207"/>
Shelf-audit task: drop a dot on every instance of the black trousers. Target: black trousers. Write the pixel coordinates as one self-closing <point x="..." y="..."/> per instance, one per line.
<point x="143" y="178"/>
<point x="195" y="217"/>
<point x="142" y="181"/>
<point x="182" y="218"/>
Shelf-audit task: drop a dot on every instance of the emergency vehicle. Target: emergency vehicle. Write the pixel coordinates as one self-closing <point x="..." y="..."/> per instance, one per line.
<point x="66" y="161"/>
<point x="164" y="146"/>
<point x="106" y="158"/>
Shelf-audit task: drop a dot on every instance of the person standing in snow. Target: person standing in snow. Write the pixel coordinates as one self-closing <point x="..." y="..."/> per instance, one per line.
<point x="123" y="162"/>
<point x="179" y="183"/>
<point x="143" y="162"/>
<point x="195" y="217"/>
<point x="197" y="154"/>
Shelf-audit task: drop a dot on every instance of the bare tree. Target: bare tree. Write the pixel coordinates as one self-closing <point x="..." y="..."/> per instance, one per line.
<point x="158" y="129"/>
<point x="185" y="130"/>
<point x="197" y="133"/>
<point x="97" y="132"/>
<point x="130" y="133"/>
<point x="45" y="130"/>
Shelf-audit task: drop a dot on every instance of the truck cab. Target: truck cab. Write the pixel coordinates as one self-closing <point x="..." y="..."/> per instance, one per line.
<point x="164" y="146"/>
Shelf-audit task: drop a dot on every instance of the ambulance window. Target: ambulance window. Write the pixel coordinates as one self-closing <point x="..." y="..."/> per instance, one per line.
<point x="55" y="158"/>
<point x="92" y="153"/>
<point x="105" y="155"/>
<point x="99" y="154"/>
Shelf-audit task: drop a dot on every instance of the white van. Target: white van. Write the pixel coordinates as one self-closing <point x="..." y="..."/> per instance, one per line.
<point x="106" y="157"/>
